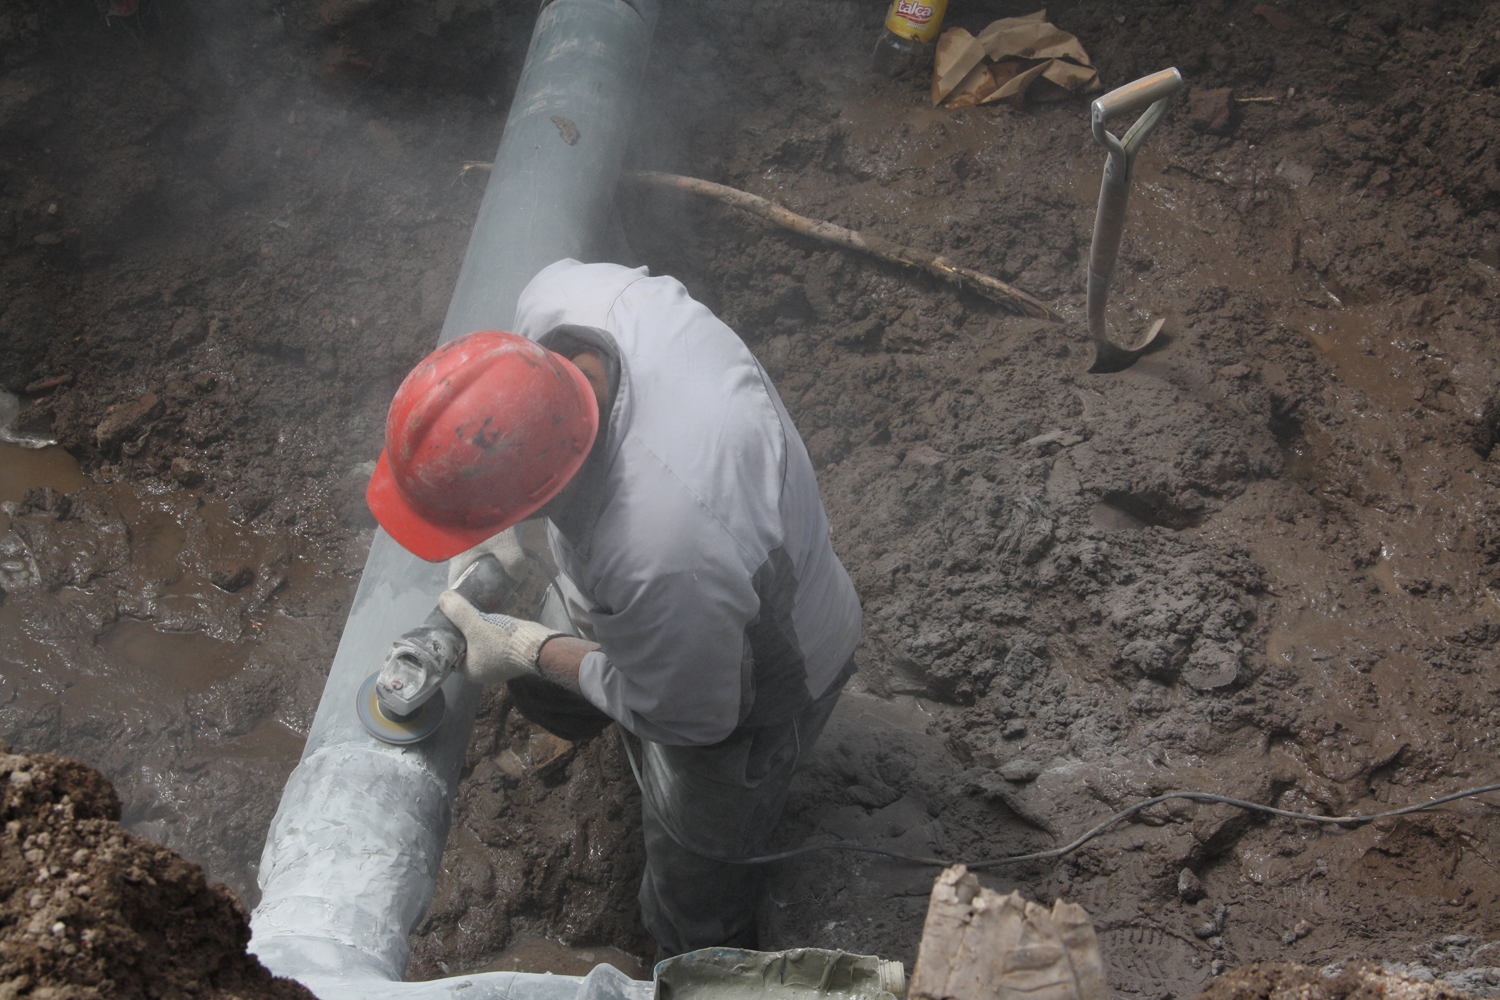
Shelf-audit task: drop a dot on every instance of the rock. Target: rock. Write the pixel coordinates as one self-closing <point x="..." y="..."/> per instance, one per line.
<point x="1213" y="923"/>
<point x="186" y="472"/>
<point x="1234" y="371"/>
<point x="546" y="754"/>
<point x="1212" y="111"/>
<point x="123" y="420"/>
<point x="1296" y="174"/>
<point x="1297" y="933"/>
<point x="231" y="577"/>
<point x="1473" y="980"/>
<point x="924" y="456"/>
<point x="510" y="764"/>
<point x="1021" y="771"/>
<point x="1211" y="668"/>
<point x="191" y="328"/>
<point x="1217" y="827"/>
<point x="1058" y="437"/>
<point x="1189" y="886"/>
<point x="872" y="797"/>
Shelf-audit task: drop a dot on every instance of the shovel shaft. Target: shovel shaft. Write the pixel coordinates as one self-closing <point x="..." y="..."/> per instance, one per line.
<point x="1109" y="226"/>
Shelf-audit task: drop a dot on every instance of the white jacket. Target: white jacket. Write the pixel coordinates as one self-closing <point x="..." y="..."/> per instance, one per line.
<point x="704" y="562"/>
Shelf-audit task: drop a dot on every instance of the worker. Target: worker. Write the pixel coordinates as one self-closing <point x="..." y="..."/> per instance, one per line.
<point x="706" y="611"/>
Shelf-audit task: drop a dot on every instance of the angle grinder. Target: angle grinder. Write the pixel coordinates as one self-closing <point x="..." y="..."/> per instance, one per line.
<point x="403" y="701"/>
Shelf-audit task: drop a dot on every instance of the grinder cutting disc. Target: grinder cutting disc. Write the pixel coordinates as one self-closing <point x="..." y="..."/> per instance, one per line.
<point x="398" y="729"/>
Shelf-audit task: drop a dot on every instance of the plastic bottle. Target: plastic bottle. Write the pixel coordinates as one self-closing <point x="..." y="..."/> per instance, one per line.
<point x="911" y="29"/>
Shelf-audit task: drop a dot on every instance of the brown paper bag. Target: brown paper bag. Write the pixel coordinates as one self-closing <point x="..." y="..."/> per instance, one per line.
<point x="1007" y="58"/>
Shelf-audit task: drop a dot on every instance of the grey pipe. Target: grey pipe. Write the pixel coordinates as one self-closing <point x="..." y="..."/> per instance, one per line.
<point x="351" y="858"/>
<point x="549" y="197"/>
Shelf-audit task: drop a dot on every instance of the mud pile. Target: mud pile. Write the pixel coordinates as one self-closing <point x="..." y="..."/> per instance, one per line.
<point x="89" y="910"/>
<point x="1358" y="982"/>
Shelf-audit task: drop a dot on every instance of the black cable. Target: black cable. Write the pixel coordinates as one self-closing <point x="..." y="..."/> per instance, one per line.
<point x="846" y="845"/>
<point x="1122" y="814"/>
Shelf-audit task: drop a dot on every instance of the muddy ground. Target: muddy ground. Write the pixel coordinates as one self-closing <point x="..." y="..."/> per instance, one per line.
<point x="1262" y="561"/>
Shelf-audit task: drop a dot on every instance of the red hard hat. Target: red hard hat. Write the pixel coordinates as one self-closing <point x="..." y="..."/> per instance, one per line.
<point x="482" y="433"/>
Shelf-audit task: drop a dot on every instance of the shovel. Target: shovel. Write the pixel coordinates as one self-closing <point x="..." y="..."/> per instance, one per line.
<point x="1154" y="93"/>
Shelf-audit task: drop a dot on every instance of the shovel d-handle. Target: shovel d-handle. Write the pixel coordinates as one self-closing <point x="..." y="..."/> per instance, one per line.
<point x="1138" y="95"/>
<point x="1154" y="93"/>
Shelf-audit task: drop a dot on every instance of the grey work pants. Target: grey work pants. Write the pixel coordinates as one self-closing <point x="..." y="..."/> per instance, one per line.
<point x="699" y="803"/>
<point x="718" y="801"/>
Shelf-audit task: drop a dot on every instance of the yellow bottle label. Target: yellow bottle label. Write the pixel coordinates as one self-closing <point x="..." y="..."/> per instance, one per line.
<point x="919" y="20"/>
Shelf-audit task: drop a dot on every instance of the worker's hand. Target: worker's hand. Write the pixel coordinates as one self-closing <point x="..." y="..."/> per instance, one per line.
<point x="504" y="547"/>
<point x="500" y="647"/>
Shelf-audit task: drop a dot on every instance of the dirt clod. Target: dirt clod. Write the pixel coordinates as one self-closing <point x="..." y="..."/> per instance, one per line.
<point x="123" y="420"/>
<point x="1212" y="111"/>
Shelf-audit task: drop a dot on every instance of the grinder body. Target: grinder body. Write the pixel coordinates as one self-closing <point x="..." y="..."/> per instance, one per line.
<point x="421" y="659"/>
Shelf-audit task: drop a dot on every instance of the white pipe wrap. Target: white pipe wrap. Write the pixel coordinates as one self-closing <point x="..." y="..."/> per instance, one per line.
<point x="359" y="868"/>
<point x="605" y="982"/>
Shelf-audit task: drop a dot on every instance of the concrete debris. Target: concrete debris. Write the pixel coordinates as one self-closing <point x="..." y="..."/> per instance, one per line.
<point x="1214" y="924"/>
<point x="1189" y="886"/>
<point x="1021" y="771"/>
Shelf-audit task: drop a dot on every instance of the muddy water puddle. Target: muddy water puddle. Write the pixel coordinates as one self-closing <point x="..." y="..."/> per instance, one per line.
<point x="23" y="469"/>
<point x="183" y="662"/>
<point x="152" y="634"/>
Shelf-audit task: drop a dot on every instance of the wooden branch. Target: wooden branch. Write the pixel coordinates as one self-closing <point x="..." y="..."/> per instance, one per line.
<point x="991" y="288"/>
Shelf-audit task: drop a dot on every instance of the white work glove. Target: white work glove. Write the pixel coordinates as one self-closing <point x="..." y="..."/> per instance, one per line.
<point x="500" y="647"/>
<point x="504" y="547"/>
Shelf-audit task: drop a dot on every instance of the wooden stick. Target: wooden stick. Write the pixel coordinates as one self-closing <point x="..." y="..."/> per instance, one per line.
<point x="991" y="288"/>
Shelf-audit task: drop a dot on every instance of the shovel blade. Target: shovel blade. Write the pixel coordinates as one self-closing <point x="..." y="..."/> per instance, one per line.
<point x="1110" y="357"/>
